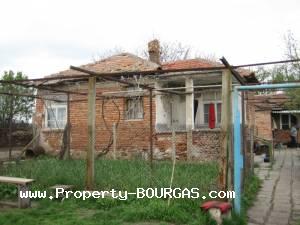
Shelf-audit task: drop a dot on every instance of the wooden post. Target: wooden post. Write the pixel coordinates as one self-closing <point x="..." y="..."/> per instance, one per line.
<point x="251" y="149"/>
<point x="173" y="144"/>
<point x="173" y="159"/>
<point x="90" y="159"/>
<point x="68" y="152"/>
<point x="151" y="129"/>
<point x="114" y="141"/>
<point x="225" y="173"/>
<point x="23" y="202"/>
<point x="189" y="114"/>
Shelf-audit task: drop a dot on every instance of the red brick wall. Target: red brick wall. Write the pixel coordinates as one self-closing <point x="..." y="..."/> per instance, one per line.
<point x="250" y="110"/>
<point x="206" y="145"/>
<point x="263" y="124"/>
<point x="163" y="145"/>
<point x="282" y="136"/>
<point x="132" y="135"/>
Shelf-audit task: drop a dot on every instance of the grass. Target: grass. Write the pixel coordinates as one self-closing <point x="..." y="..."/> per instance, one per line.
<point x="117" y="174"/>
<point x="121" y="175"/>
<point x="251" y="187"/>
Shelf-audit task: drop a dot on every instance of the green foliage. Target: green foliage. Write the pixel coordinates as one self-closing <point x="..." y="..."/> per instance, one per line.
<point x="285" y="73"/>
<point x="117" y="174"/>
<point x="252" y="185"/>
<point x="13" y="106"/>
<point x="7" y="191"/>
<point x="71" y="211"/>
<point x="235" y="220"/>
<point x="120" y="175"/>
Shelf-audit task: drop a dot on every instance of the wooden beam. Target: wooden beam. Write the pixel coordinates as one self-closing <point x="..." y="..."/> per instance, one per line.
<point x="225" y="173"/>
<point x="90" y="159"/>
<point x="112" y="78"/>
<point x="114" y="129"/>
<point x="151" y="128"/>
<point x="234" y="72"/>
<point x="68" y="152"/>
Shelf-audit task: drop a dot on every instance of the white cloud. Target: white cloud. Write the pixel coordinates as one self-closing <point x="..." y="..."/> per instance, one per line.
<point x="42" y="36"/>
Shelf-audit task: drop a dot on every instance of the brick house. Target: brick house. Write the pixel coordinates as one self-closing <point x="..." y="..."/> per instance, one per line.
<point x="273" y="120"/>
<point x="129" y="109"/>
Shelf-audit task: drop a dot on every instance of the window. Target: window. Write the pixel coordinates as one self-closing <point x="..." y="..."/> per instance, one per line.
<point x="56" y="116"/>
<point x="206" y="112"/>
<point x="134" y="108"/>
<point x="218" y="107"/>
<point x="285" y="121"/>
<point x="212" y="98"/>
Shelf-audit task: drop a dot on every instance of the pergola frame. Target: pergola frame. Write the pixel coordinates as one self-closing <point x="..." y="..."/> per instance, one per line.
<point x="237" y="135"/>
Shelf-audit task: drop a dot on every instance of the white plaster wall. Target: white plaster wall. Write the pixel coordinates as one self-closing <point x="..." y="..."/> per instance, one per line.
<point x="167" y="107"/>
<point x="178" y="111"/>
<point x="163" y="110"/>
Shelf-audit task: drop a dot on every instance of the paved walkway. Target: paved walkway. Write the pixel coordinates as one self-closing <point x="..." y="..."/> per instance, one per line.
<point x="278" y="201"/>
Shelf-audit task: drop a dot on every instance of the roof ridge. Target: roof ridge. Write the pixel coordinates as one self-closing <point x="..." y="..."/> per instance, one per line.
<point x="113" y="63"/>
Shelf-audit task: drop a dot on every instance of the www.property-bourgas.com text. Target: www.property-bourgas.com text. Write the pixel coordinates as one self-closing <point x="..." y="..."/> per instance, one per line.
<point x="192" y="193"/>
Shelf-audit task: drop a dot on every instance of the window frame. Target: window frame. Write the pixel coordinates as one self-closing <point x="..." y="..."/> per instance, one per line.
<point x="135" y="98"/>
<point x="55" y="106"/>
<point x="289" y="121"/>
<point x="215" y="101"/>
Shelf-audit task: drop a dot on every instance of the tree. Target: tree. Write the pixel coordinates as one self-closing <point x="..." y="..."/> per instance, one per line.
<point x="285" y="73"/>
<point x="293" y="69"/>
<point x="13" y="106"/>
<point x="169" y="51"/>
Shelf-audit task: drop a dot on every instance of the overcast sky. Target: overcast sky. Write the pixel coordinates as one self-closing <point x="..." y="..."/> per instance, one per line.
<point x="40" y="37"/>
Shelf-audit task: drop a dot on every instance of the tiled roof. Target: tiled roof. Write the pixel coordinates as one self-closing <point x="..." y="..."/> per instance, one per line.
<point x="127" y="62"/>
<point x="198" y="63"/>
<point x="190" y="63"/>
<point x="272" y="101"/>
<point x="204" y="63"/>
<point x="124" y="62"/>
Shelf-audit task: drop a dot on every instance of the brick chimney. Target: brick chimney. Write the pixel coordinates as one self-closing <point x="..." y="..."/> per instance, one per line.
<point x="154" y="51"/>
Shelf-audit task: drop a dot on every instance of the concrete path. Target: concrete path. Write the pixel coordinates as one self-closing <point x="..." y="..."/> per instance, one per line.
<point x="278" y="201"/>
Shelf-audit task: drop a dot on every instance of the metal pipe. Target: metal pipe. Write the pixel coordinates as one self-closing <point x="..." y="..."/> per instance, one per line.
<point x="30" y="96"/>
<point x="111" y="78"/>
<point x="267" y="86"/>
<point x="153" y="72"/>
<point x="267" y="63"/>
<point x="40" y="87"/>
<point x="238" y="157"/>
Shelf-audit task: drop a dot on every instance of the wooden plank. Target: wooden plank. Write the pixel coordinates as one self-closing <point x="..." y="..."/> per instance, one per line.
<point x="23" y="202"/>
<point x="173" y="159"/>
<point x="225" y="173"/>
<point x="68" y="149"/>
<point x="90" y="159"/>
<point x="151" y="129"/>
<point x="114" y="141"/>
<point x="251" y="149"/>
<point x="15" y="180"/>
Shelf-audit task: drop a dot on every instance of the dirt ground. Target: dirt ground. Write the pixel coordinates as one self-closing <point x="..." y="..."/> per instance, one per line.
<point x="4" y="152"/>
